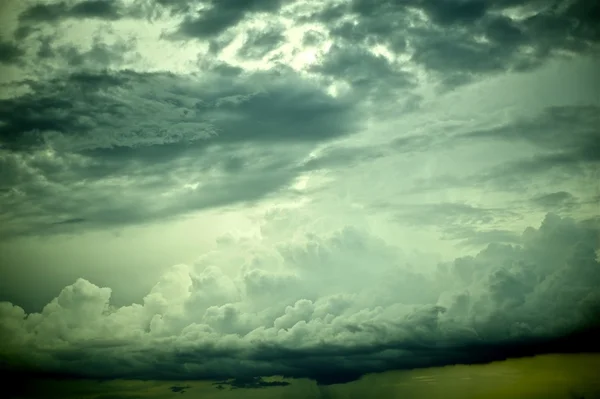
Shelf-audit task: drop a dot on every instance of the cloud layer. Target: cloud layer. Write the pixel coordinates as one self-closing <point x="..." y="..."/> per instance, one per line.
<point x="206" y="104"/>
<point x="191" y="142"/>
<point x="330" y="308"/>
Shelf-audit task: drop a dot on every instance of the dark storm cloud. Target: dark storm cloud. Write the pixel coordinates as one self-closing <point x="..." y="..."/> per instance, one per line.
<point x="218" y="16"/>
<point x="54" y="12"/>
<point x="463" y="39"/>
<point x="538" y="296"/>
<point x="155" y="130"/>
<point x="10" y="53"/>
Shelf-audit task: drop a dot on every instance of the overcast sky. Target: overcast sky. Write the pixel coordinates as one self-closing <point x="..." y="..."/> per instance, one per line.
<point x="313" y="189"/>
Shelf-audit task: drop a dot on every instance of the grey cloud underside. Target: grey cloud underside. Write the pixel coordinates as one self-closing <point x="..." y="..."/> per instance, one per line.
<point x="329" y="318"/>
<point x="70" y="144"/>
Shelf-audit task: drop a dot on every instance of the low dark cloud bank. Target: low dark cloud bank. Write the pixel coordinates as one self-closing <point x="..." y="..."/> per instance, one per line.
<point x="328" y="308"/>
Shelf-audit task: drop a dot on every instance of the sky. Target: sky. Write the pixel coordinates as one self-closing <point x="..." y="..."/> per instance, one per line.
<point x="273" y="190"/>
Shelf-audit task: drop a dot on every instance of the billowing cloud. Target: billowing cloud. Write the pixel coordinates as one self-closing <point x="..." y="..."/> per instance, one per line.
<point x="313" y="308"/>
